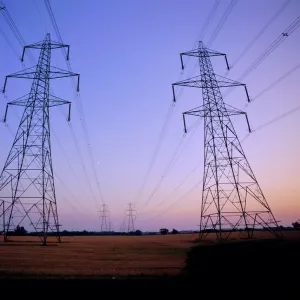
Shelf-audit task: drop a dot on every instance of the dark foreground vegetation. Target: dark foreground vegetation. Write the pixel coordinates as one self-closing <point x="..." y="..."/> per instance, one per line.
<point x="269" y="267"/>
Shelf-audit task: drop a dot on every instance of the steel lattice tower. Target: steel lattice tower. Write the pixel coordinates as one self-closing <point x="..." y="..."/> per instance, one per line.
<point x="105" y="223"/>
<point x="131" y="218"/>
<point x="232" y="199"/>
<point x="27" y="191"/>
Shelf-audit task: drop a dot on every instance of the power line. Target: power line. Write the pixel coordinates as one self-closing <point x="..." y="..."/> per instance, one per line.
<point x="40" y="14"/>
<point x="179" y="185"/>
<point x="74" y="139"/>
<point x="183" y="142"/>
<point x="12" y="25"/>
<point x="82" y="161"/>
<point x="9" y="43"/>
<point x="289" y="30"/>
<point x="222" y="21"/>
<point x="277" y="118"/>
<point x="78" y="101"/>
<point x="208" y="20"/>
<point x="170" y="111"/>
<point x="158" y="145"/>
<point x="169" y="114"/>
<point x="253" y="130"/>
<point x="64" y="154"/>
<point x="56" y="175"/>
<point x="214" y="34"/>
<point x="253" y="41"/>
<point x="277" y="81"/>
<point x="70" y="192"/>
<point x="200" y="37"/>
<point x="179" y="200"/>
<point x="168" y="117"/>
<point x="280" y="117"/>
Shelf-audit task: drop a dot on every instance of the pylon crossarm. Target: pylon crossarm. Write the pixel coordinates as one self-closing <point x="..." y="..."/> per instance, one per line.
<point x="230" y="111"/>
<point x="51" y="45"/>
<point x="60" y="73"/>
<point x="225" y="80"/>
<point x="202" y="112"/>
<point x="194" y="112"/>
<point x="249" y="128"/>
<point x="55" y="101"/>
<point x="22" y="101"/>
<point x="200" y="53"/>
<point x="27" y="73"/>
<point x="198" y="113"/>
<point x="190" y="82"/>
<point x="197" y="82"/>
<point x="31" y="73"/>
<point x="184" y="123"/>
<point x="200" y="83"/>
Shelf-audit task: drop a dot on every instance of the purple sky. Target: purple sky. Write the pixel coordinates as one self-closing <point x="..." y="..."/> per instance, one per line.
<point x="127" y="53"/>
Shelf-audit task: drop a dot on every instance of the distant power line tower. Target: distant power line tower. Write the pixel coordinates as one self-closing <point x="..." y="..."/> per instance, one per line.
<point x="122" y="226"/>
<point x="27" y="191"/>
<point x="131" y="215"/>
<point x="105" y="223"/>
<point x="231" y="197"/>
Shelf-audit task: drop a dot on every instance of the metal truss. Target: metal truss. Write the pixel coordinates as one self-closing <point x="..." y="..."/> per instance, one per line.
<point x="232" y="199"/>
<point x="27" y="190"/>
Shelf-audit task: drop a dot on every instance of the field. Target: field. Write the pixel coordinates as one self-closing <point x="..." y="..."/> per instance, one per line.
<point x="99" y="256"/>
<point x="96" y="255"/>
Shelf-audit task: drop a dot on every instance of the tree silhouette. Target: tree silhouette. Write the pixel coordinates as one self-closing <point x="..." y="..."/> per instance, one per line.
<point x="164" y="231"/>
<point x="296" y="225"/>
<point x="20" y="230"/>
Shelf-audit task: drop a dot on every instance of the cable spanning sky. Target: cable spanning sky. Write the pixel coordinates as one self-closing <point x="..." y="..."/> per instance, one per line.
<point x="126" y="137"/>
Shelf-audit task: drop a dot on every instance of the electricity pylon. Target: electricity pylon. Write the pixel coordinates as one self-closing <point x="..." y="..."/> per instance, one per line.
<point x="105" y="223"/>
<point x="232" y="199"/>
<point x="131" y="218"/>
<point x="27" y="191"/>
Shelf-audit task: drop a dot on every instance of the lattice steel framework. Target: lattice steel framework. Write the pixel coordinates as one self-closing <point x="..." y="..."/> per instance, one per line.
<point x="232" y="199"/>
<point x="105" y="223"/>
<point x="131" y="215"/>
<point x="27" y="191"/>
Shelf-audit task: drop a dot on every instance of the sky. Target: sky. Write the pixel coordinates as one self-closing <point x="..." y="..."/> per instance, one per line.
<point x="127" y="54"/>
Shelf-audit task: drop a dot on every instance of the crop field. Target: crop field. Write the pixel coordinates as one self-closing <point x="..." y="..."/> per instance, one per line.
<point x="100" y="255"/>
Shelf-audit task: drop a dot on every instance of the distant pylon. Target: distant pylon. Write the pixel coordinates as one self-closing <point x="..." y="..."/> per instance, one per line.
<point x="131" y="215"/>
<point x="105" y="223"/>
<point x="122" y="226"/>
<point x="232" y="199"/>
<point x="27" y="191"/>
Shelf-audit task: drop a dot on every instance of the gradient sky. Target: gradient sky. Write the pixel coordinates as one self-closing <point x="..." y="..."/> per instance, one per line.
<point x="127" y="53"/>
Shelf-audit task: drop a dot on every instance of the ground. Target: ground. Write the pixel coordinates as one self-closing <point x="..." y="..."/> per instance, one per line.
<point x="162" y="266"/>
<point x="96" y="256"/>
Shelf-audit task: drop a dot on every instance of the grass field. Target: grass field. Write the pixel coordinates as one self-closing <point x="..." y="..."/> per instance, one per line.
<point x="96" y="255"/>
<point x="99" y="255"/>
